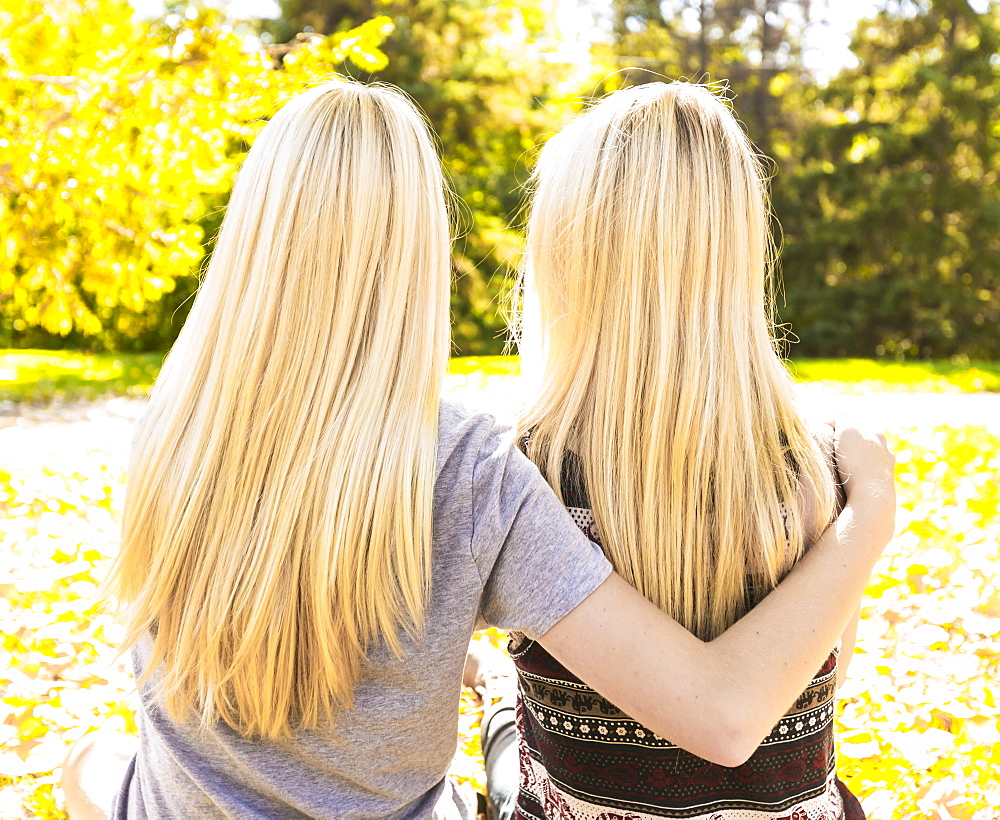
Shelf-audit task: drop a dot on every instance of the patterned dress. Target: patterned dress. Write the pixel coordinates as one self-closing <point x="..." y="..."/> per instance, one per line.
<point x="583" y="759"/>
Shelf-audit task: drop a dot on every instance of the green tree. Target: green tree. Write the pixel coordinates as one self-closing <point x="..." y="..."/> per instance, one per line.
<point x="891" y="208"/>
<point x="473" y="68"/>
<point x="755" y="46"/>
<point x="120" y="142"/>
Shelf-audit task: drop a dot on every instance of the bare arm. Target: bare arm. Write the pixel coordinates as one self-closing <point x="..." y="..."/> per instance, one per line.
<point x="720" y="699"/>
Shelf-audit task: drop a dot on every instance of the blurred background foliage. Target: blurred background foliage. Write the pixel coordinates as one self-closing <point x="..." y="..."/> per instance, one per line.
<point x="120" y="138"/>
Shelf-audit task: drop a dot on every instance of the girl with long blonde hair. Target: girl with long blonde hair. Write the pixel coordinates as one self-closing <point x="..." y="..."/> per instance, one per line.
<point x="667" y="422"/>
<point x="311" y="534"/>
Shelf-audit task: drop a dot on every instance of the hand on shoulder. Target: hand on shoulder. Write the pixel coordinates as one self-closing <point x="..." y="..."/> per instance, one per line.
<point x="866" y="466"/>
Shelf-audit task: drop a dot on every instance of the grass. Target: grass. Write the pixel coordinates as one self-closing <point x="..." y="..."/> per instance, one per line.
<point x="39" y="376"/>
<point x="42" y="376"/>
<point x="905" y="377"/>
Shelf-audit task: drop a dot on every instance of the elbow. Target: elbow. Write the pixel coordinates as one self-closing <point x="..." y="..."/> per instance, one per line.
<point x="735" y="753"/>
<point x="725" y="732"/>
<point x="725" y="729"/>
<point x="731" y="741"/>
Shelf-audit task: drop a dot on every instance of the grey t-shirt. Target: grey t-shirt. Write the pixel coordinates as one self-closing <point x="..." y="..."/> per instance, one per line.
<point x="505" y="554"/>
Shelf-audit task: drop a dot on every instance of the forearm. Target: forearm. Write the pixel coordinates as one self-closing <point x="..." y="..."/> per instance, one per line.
<point x="770" y="656"/>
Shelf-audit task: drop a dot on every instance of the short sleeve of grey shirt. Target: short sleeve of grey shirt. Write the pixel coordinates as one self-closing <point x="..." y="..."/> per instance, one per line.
<point x="535" y="568"/>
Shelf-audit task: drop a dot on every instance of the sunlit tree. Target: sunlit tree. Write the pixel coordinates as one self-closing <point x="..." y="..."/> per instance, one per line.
<point x="119" y="139"/>
<point x="891" y="207"/>
<point x="755" y="47"/>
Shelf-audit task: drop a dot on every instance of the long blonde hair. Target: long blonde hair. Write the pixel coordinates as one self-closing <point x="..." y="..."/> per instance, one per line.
<point x="278" y="513"/>
<point x="658" y="379"/>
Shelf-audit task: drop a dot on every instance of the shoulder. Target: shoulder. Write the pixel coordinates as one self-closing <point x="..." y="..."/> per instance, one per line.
<point x="459" y="421"/>
<point x="469" y="437"/>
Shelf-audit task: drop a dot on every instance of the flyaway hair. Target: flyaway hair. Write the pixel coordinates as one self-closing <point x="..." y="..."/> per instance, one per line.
<point x="646" y="323"/>
<point x="278" y="513"/>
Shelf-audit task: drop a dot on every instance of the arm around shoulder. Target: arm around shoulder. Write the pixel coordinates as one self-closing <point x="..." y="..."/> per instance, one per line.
<point x="719" y="699"/>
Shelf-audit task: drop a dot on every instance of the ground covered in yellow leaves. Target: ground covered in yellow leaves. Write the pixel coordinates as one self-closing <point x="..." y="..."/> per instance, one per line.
<point x="919" y="723"/>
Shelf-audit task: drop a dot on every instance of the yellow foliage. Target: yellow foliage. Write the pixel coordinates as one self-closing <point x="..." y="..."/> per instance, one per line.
<point x="115" y="138"/>
<point x="919" y="725"/>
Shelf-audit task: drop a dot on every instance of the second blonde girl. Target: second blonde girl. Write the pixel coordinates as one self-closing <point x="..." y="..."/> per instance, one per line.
<point x="667" y="421"/>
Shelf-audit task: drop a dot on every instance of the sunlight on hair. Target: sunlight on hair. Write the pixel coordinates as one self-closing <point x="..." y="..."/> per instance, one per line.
<point x="278" y="514"/>
<point x="646" y="331"/>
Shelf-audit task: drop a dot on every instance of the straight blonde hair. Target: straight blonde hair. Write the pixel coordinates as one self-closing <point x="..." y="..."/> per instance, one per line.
<point x="648" y="329"/>
<point x="278" y="513"/>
